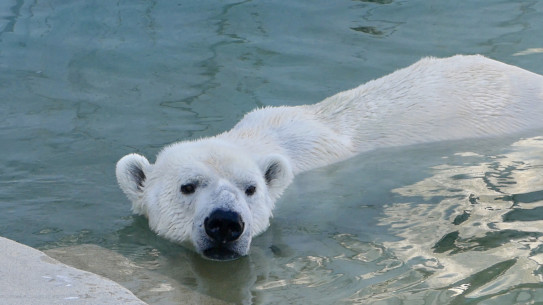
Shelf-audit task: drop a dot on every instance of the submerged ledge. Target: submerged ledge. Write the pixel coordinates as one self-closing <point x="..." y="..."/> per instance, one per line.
<point x="29" y="276"/>
<point x="145" y="282"/>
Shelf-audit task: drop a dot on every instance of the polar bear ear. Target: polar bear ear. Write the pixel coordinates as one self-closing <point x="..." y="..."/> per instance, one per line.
<point x="131" y="174"/>
<point x="277" y="174"/>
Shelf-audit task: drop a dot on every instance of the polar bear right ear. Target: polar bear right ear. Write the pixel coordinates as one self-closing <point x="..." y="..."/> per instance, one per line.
<point x="277" y="174"/>
<point x="131" y="174"/>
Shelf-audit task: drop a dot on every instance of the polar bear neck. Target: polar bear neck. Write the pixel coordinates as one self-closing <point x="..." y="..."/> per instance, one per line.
<point x="432" y="100"/>
<point x="294" y="132"/>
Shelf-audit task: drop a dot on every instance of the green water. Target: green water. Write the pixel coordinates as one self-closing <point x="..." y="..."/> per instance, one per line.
<point x="83" y="83"/>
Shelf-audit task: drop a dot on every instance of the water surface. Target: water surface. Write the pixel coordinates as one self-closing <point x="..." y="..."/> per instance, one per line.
<point x="84" y="82"/>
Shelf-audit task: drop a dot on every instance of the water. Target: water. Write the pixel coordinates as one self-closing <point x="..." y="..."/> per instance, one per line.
<point x="83" y="83"/>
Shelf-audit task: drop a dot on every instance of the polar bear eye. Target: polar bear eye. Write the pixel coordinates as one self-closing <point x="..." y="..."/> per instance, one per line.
<point x="188" y="188"/>
<point x="250" y="190"/>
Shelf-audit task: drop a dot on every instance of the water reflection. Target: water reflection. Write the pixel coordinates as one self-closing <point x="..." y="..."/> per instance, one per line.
<point x="475" y="227"/>
<point x="10" y="20"/>
<point x="372" y="21"/>
<point x="368" y="30"/>
<point x="376" y="1"/>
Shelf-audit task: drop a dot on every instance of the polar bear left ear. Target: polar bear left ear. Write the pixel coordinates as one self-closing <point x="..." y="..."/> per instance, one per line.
<point x="131" y="173"/>
<point x="277" y="174"/>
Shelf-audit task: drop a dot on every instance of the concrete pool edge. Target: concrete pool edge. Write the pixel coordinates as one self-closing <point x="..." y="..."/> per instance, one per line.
<point x="29" y="276"/>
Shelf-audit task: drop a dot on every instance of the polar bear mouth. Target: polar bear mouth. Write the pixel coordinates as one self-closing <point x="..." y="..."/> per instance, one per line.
<point x="221" y="254"/>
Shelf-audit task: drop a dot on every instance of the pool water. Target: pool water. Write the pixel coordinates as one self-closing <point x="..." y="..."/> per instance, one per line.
<point x="83" y="83"/>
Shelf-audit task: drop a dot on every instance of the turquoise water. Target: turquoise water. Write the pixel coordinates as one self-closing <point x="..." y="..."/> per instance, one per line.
<point x="84" y="82"/>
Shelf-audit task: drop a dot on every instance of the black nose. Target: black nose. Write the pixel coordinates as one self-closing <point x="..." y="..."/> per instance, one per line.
<point x="224" y="226"/>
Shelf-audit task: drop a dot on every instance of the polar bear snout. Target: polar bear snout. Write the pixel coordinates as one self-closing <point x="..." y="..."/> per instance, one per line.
<point x="223" y="230"/>
<point x="224" y="226"/>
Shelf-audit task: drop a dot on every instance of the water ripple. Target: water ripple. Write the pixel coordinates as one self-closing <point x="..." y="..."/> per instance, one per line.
<point x="481" y="241"/>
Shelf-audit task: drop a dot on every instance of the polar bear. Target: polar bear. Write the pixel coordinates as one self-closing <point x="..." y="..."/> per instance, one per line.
<point x="215" y="194"/>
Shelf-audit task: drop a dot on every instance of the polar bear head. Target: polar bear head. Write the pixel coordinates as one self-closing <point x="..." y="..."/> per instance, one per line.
<point x="209" y="194"/>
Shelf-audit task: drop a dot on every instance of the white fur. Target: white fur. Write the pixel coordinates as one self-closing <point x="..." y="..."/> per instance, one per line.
<point x="431" y="100"/>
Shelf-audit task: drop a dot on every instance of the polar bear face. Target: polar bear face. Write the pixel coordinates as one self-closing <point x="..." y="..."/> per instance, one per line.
<point x="208" y="194"/>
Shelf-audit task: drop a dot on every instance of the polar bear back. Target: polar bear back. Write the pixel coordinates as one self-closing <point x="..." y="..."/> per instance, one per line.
<point x="437" y="99"/>
<point x="432" y="100"/>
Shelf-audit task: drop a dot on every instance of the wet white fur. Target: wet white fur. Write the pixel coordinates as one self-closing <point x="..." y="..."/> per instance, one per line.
<point x="431" y="100"/>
